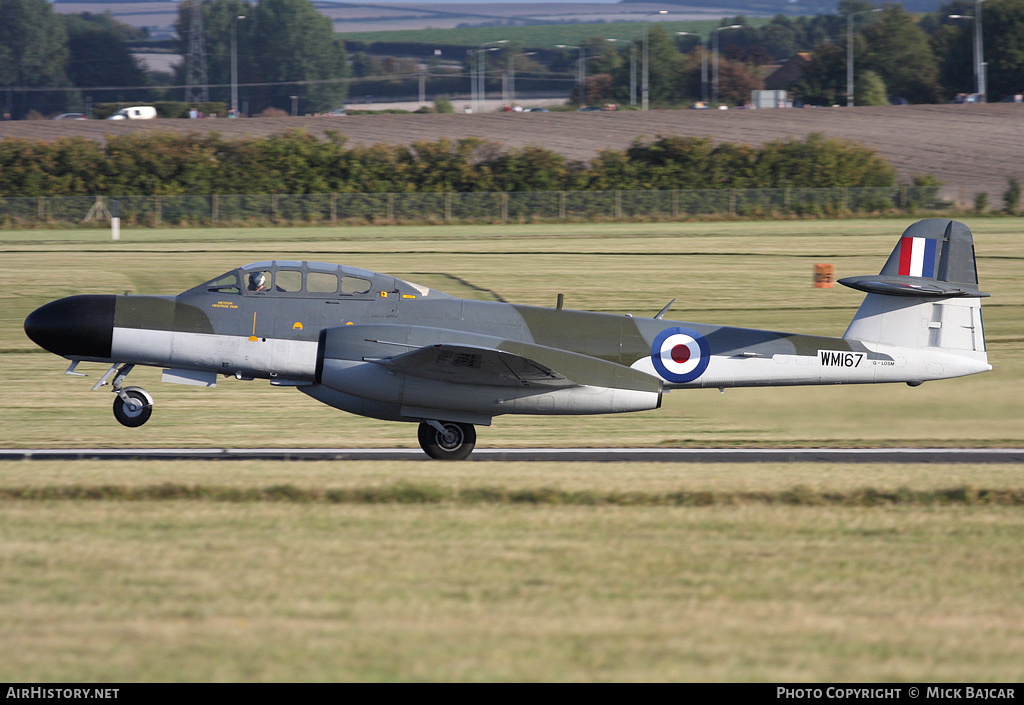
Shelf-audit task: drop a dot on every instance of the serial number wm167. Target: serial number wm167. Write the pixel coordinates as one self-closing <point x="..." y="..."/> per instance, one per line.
<point x="838" y="358"/>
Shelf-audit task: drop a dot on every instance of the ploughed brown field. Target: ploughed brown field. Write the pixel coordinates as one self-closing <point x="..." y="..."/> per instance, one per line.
<point x="971" y="146"/>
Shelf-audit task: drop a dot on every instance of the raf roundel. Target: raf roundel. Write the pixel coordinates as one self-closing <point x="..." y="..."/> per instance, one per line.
<point x="680" y="354"/>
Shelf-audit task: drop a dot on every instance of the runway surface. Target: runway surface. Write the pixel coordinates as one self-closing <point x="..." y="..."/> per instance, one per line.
<point x="621" y="455"/>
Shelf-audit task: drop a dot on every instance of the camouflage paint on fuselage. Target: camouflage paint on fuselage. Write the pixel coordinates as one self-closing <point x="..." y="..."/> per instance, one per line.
<point x="257" y="318"/>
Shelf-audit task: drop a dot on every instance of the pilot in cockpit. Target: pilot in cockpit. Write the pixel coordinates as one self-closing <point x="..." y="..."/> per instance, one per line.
<point x="257" y="281"/>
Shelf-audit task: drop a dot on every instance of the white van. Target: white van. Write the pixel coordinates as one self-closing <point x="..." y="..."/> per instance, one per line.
<point x="141" y="112"/>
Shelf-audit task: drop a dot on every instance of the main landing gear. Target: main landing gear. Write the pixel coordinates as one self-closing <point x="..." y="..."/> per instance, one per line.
<point x="133" y="405"/>
<point x="447" y="440"/>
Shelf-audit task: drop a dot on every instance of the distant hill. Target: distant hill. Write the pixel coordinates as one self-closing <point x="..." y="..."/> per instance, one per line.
<point x="783" y="7"/>
<point x="348" y="18"/>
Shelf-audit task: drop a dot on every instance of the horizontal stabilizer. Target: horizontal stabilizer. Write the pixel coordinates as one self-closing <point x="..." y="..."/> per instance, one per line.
<point x="933" y="258"/>
<point x="905" y="286"/>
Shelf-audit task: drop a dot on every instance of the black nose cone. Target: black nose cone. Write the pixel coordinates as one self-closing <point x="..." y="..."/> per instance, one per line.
<point x="77" y="326"/>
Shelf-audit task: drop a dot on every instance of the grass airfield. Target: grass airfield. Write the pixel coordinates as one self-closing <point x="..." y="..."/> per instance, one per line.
<point x="515" y="571"/>
<point x="736" y="273"/>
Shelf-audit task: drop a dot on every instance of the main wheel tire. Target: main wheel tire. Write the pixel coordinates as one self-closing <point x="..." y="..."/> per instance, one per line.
<point x="130" y="416"/>
<point x="456" y="443"/>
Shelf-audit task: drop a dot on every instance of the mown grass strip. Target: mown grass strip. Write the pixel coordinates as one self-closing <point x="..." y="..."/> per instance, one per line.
<point x="405" y="493"/>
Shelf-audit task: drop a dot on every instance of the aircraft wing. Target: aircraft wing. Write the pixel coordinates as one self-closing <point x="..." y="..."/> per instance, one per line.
<point x="473" y="365"/>
<point x="516" y="364"/>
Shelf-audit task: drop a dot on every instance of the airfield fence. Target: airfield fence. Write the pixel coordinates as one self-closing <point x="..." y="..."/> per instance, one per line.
<point x="449" y="207"/>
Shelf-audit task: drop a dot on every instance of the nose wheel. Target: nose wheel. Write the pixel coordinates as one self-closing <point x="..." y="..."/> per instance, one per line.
<point x="447" y="440"/>
<point x="132" y="406"/>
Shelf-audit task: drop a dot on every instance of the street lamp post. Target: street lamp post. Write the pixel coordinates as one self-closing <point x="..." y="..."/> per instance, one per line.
<point x="581" y="71"/>
<point x="714" y="58"/>
<point x="477" y="82"/>
<point x="481" y="73"/>
<point x="979" y="65"/>
<point x="512" y="75"/>
<point x="849" y="53"/>
<point x="234" y="65"/>
<point x="632" y="73"/>
<point x="644" y="85"/>
<point x="472" y="80"/>
<point x="704" y="50"/>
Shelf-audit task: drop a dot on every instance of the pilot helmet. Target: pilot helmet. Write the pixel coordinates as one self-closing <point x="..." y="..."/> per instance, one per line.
<point x="258" y="280"/>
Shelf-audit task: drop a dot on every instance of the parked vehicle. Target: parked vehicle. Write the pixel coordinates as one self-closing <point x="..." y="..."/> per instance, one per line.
<point x="139" y="112"/>
<point x="968" y="98"/>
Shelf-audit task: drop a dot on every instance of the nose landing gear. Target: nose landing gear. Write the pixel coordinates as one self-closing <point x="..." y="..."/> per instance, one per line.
<point x="133" y="405"/>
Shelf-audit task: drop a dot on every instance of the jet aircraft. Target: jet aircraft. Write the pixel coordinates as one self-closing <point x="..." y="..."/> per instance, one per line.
<point x="378" y="346"/>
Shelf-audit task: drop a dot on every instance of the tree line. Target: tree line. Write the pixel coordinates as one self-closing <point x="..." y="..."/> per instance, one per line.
<point x="54" y="63"/>
<point x="297" y="163"/>
<point x="926" y="58"/>
<point x="285" y="48"/>
<point x="921" y="58"/>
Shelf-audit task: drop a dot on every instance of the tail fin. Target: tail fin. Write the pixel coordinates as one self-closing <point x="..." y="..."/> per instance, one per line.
<point x="926" y="295"/>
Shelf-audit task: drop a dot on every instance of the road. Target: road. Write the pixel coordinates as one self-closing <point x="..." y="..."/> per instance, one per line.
<point x="622" y="455"/>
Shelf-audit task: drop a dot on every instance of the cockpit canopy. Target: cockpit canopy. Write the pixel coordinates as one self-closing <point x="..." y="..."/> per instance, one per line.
<point x="309" y="279"/>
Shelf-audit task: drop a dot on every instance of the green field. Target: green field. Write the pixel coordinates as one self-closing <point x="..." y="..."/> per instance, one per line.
<point x="285" y="589"/>
<point x="536" y="36"/>
<point x="426" y="571"/>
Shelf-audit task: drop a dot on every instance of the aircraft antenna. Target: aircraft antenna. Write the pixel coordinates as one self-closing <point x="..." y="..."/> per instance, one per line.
<point x="196" y="83"/>
<point x="661" y="314"/>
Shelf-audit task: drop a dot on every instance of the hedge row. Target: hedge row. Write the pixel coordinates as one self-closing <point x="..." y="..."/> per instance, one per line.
<point x="297" y="163"/>
<point x="425" y="493"/>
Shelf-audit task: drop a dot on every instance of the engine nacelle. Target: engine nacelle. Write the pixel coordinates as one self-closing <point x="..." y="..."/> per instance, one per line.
<point x="345" y="364"/>
<point x="415" y="395"/>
